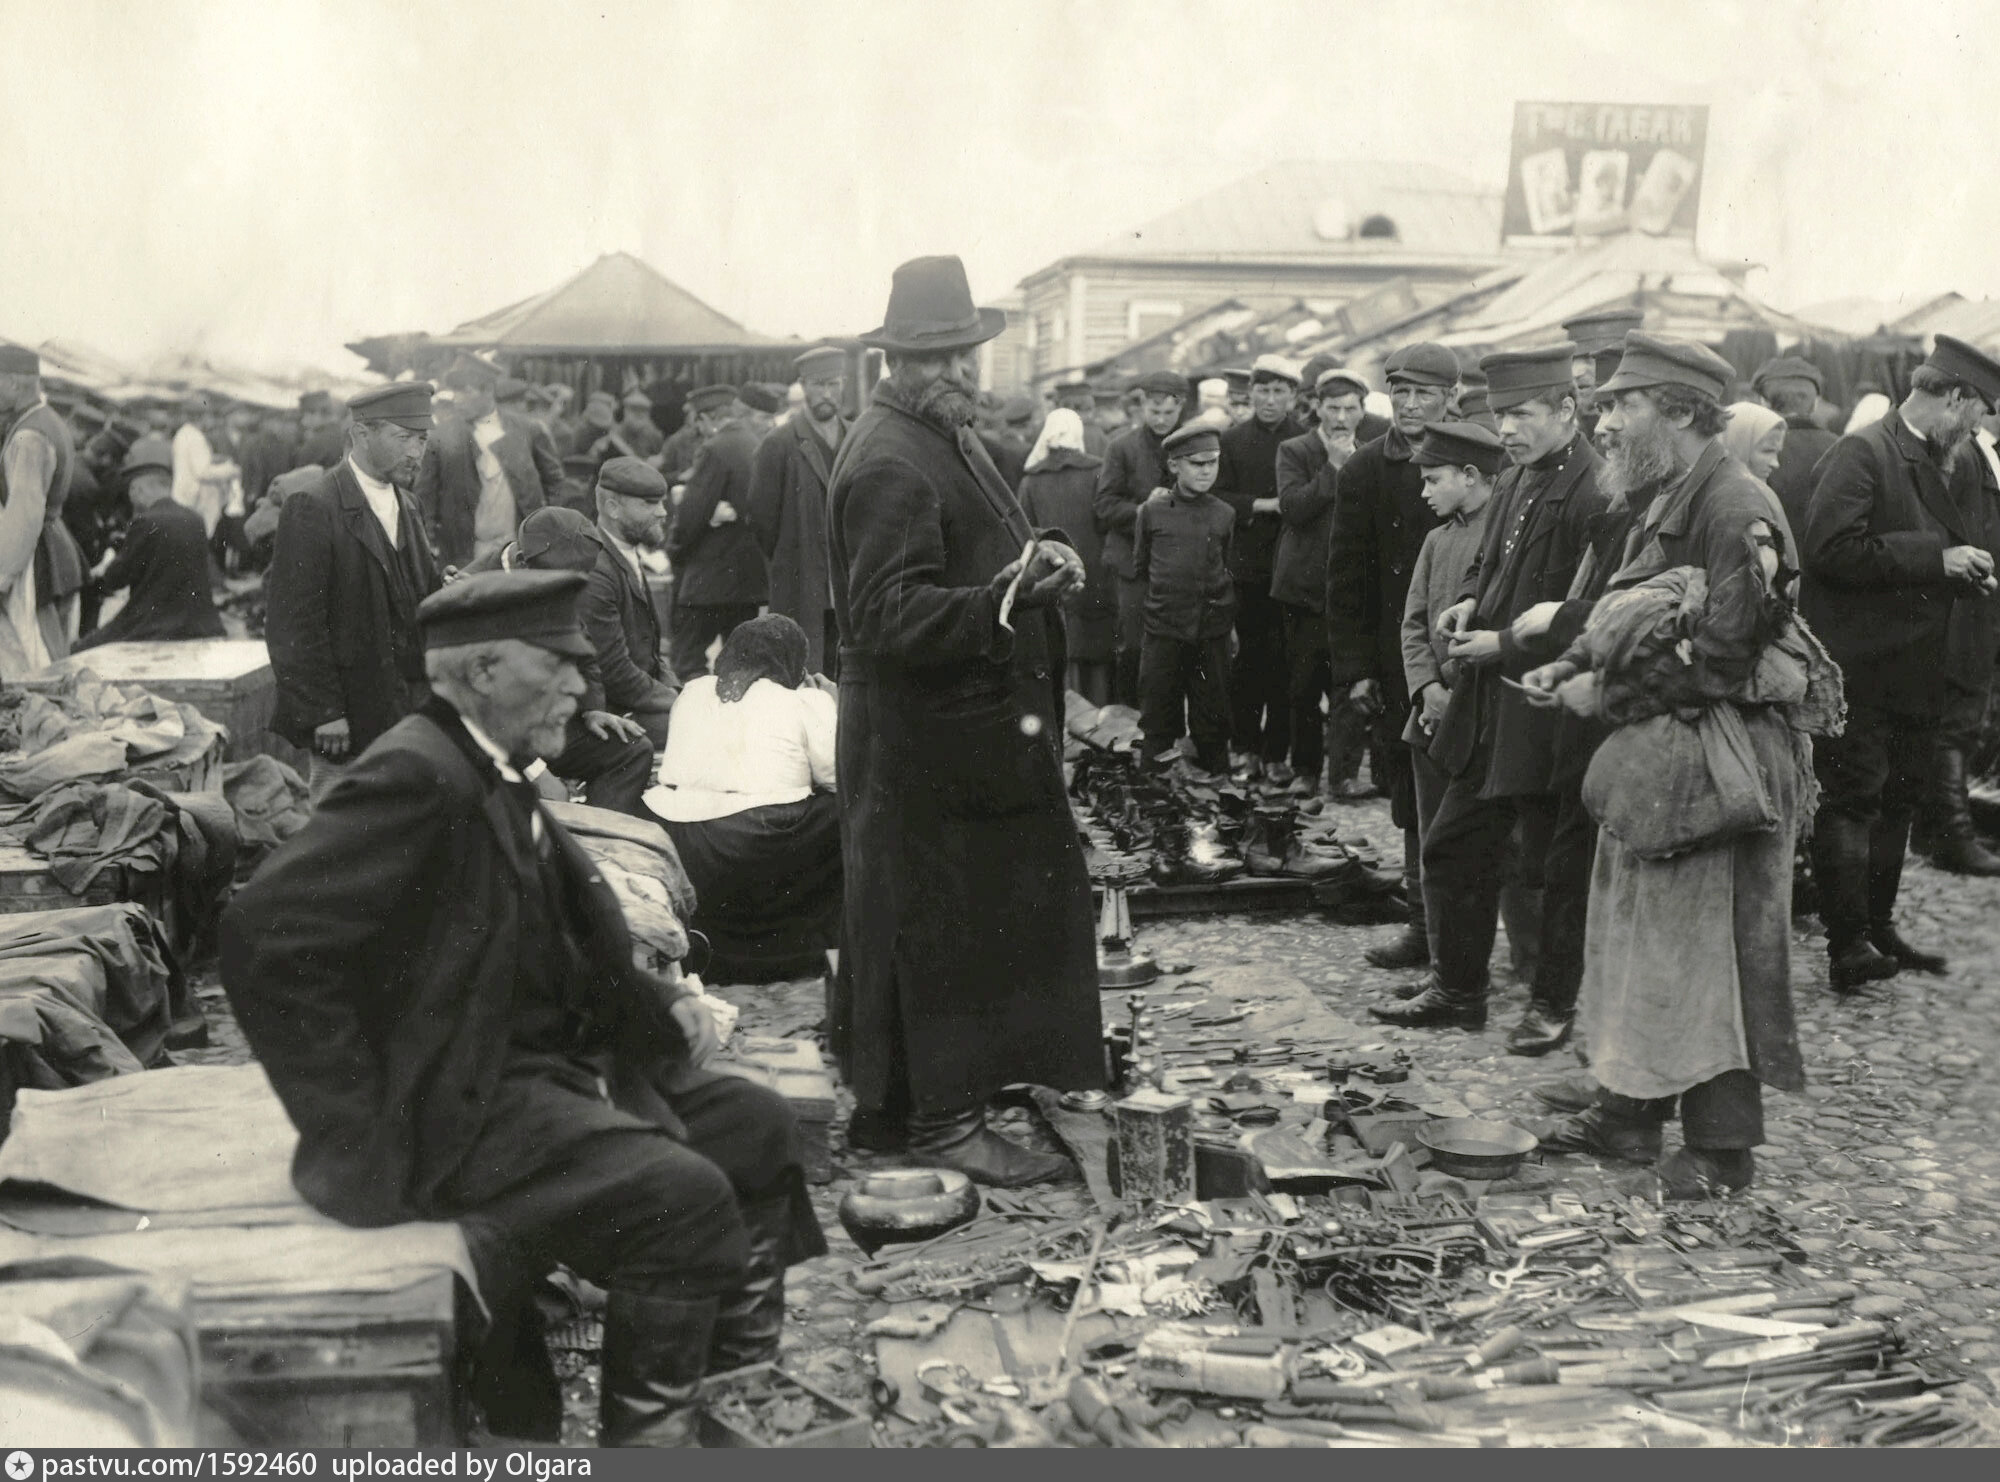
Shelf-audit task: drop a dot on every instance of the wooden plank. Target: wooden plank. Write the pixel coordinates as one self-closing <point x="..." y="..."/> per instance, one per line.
<point x="1245" y="893"/>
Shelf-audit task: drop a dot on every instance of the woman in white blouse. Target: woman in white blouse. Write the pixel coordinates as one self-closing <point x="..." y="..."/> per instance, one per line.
<point x="747" y="794"/>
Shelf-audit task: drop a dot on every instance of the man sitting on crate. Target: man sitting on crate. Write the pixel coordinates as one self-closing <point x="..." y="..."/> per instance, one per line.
<point x="441" y="987"/>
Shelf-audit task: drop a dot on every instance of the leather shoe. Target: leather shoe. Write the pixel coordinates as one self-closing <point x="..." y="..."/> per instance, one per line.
<point x="1703" y="1173"/>
<point x="1856" y="965"/>
<point x="1541" y="1030"/>
<point x="1435" y="1009"/>
<point x="1411" y="949"/>
<point x="1889" y="942"/>
<point x="1598" y="1133"/>
<point x="1573" y="1093"/>
<point x="1963" y="854"/>
<point x="1353" y="790"/>
<point x="966" y="1143"/>
<point x="1416" y="986"/>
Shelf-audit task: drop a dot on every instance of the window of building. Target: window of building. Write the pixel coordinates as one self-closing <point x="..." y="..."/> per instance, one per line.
<point x="1145" y="317"/>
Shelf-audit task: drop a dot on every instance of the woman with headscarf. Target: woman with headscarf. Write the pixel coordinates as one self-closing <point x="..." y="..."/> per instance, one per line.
<point x="1755" y="438"/>
<point x="1057" y="492"/>
<point x="747" y="794"/>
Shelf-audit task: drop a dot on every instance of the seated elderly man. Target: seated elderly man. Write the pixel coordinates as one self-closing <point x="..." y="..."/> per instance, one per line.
<point x="441" y="987"/>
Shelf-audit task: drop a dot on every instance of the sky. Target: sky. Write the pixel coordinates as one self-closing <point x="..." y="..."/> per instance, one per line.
<point x="263" y="180"/>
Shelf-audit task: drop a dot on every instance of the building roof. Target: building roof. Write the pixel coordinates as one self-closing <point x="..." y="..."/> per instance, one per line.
<point x="1860" y="315"/>
<point x="1323" y="211"/>
<point x="616" y="305"/>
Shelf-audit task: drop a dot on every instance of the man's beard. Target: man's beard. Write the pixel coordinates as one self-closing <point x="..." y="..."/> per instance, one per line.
<point x="947" y="404"/>
<point x="1636" y="462"/>
<point x="823" y="411"/>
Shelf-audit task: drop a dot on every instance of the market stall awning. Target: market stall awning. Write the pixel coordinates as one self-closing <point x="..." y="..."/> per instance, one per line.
<point x="617" y="305"/>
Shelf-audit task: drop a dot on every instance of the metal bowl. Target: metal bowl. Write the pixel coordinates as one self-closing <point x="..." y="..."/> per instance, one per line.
<point x="1472" y="1147"/>
<point x="897" y="1206"/>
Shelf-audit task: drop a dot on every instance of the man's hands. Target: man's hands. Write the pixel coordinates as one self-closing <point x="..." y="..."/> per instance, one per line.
<point x="1436" y="700"/>
<point x="1535" y="621"/>
<point x="1055" y="573"/>
<point x="1970" y="565"/>
<point x="1560" y="684"/>
<point x="824" y="685"/>
<point x="725" y="514"/>
<point x="690" y="1016"/>
<point x="1481" y="646"/>
<point x="608" y="727"/>
<point x="331" y="740"/>
<point x="1263" y="506"/>
<point x="1454" y="618"/>
<point x="1365" y="695"/>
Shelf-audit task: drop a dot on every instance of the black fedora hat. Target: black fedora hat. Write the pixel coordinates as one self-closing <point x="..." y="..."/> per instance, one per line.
<point x="931" y="310"/>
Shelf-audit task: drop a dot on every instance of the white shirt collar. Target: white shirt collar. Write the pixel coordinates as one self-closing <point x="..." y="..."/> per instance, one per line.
<point x="369" y="483"/>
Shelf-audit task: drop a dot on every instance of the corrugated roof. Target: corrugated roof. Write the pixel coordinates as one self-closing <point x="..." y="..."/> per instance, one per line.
<point x="1316" y="209"/>
<point x="617" y="304"/>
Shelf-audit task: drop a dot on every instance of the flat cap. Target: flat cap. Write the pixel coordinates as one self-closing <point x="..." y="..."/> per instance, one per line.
<point x="1474" y="405"/>
<point x="1163" y="383"/>
<point x="1313" y="369"/>
<point x="294" y="481"/>
<point x="19" y="360"/>
<point x="149" y="452"/>
<point x="713" y="398"/>
<point x="537" y="607"/>
<point x="1017" y="411"/>
<point x="1274" y="368"/>
<point x="1517" y="376"/>
<point x="1603" y="329"/>
<point x="1421" y="364"/>
<point x="406" y="403"/>
<point x="821" y="360"/>
<point x="634" y="478"/>
<point x="1238" y="379"/>
<point x="1193" y="438"/>
<point x="557" y="539"/>
<point x="1788" y="368"/>
<point x="1956" y="358"/>
<point x="1655" y="360"/>
<point x="1339" y="381"/>
<point x="760" y="398"/>
<point x="1456" y="444"/>
<point x="1077" y="390"/>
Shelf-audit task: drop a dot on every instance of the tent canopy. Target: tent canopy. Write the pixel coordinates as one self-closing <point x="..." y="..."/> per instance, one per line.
<point x="617" y="305"/>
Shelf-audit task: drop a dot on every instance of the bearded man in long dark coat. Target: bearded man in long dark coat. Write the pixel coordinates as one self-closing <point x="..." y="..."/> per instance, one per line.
<point x="969" y="959"/>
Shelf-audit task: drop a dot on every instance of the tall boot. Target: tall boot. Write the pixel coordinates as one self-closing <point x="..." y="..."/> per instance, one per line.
<point x="513" y="1379"/>
<point x="749" y="1321"/>
<point x="1841" y="872"/>
<point x="963" y="1141"/>
<point x="655" y="1355"/>
<point x="1273" y="849"/>
<point x="1954" y="844"/>
<point x="1888" y="842"/>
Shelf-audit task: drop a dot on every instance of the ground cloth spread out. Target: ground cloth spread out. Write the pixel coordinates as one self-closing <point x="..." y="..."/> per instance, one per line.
<point x="197" y="1160"/>
<point x="644" y="871"/>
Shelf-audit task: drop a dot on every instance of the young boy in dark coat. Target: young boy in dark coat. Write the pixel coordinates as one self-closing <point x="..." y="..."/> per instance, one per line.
<point x="1181" y="544"/>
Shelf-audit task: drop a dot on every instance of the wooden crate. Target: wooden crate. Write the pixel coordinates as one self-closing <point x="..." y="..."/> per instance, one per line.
<point x="337" y="1368"/>
<point x="27" y="885"/>
<point x="228" y="680"/>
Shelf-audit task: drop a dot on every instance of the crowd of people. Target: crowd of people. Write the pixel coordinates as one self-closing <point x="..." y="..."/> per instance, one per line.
<point x="1613" y="632"/>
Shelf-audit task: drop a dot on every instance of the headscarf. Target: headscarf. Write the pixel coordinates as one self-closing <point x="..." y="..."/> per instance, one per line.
<point x="1748" y="422"/>
<point x="1063" y="429"/>
<point x="771" y="647"/>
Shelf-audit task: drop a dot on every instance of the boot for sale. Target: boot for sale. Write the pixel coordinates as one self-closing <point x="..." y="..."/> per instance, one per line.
<point x="963" y="1141"/>
<point x="1435" y="1008"/>
<point x="1245" y="768"/>
<point x="1273" y="849"/>
<point x="1185" y="853"/>
<point x="1841" y="870"/>
<point x="655" y="1354"/>
<point x="1278" y="774"/>
<point x="1703" y="1173"/>
<point x="1954" y="843"/>
<point x="749" y="1322"/>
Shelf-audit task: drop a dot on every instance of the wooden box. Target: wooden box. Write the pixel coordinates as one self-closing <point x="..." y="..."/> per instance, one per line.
<point x="795" y="1070"/>
<point x="27" y="885"/>
<point x="841" y="1427"/>
<point x="337" y="1368"/>
<point x="228" y="680"/>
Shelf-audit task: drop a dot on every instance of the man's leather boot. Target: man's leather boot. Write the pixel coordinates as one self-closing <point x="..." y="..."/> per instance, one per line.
<point x="1434" y="1008"/>
<point x="1604" y="1134"/>
<point x="1842" y="874"/>
<point x="963" y="1141"/>
<point x="1573" y="1093"/>
<point x="513" y="1379"/>
<point x="1703" y="1173"/>
<point x="1955" y="844"/>
<point x="1411" y="948"/>
<point x="1415" y="988"/>
<point x="655" y="1354"/>
<point x="749" y="1322"/>
<point x="1541" y="1030"/>
<point x="1884" y="938"/>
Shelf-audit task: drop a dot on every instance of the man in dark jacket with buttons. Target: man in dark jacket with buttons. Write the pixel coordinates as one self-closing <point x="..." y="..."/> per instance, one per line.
<point x="1260" y="717"/>
<point x="719" y="574"/>
<point x="163" y="560"/>
<point x="1889" y="550"/>
<point x="1135" y="464"/>
<point x="618" y="611"/>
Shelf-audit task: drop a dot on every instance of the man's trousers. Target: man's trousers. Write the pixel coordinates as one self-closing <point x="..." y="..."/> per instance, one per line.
<point x="1871" y="778"/>
<point x="1260" y="716"/>
<point x="1307" y="684"/>
<point x="1190" y="677"/>
<point x="614" y="773"/>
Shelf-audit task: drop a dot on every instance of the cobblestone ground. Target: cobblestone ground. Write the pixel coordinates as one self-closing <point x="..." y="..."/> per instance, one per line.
<point x="1888" y="1163"/>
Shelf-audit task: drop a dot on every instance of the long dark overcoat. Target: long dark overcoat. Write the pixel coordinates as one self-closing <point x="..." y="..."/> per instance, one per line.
<point x="1379" y="524"/>
<point x="788" y="511"/>
<point x="335" y="618"/>
<point x="970" y="952"/>
<point x="718" y="565"/>
<point x="1060" y="494"/>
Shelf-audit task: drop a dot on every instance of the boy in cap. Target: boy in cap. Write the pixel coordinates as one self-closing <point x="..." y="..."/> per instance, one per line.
<point x="163" y="561"/>
<point x="1181" y="541"/>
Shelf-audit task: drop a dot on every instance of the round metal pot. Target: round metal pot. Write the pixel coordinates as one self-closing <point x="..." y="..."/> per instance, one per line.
<point x="900" y="1205"/>
<point x="1471" y="1147"/>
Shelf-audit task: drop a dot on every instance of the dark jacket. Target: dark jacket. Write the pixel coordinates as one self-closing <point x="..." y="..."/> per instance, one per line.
<point x="1538" y="529"/>
<point x="371" y="963"/>
<point x="1875" y="590"/>
<point x="623" y="626"/>
<point x="165" y="562"/>
<point x="1379" y="524"/>
<point x="1974" y="629"/>
<point x="1181" y="553"/>
<point x="1249" y="472"/>
<point x="1059" y="495"/>
<point x="969" y="926"/>
<point x="1308" y="483"/>
<point x="1009" y="454"/>
<point x="721" y="565"/>
<point x="448" y="482"/>
<point x="1134" y="466"/>
<point x="341" y="623"/>
<point x="1806" y="442"/>
<point x="788" y="512"/>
